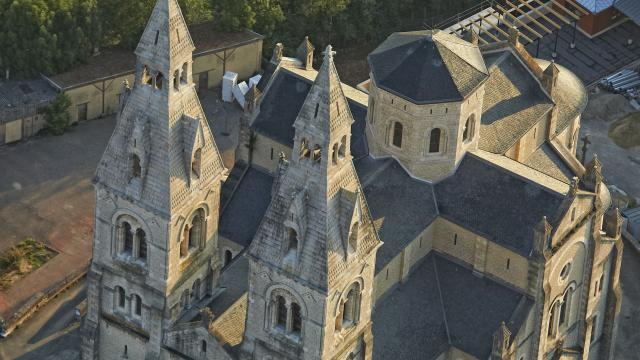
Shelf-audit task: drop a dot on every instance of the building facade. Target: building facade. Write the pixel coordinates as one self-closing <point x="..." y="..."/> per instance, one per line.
<point x="440" y="215"/>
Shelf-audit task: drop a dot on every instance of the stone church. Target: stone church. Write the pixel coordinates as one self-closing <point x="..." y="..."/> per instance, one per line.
<point x="436" y="212"/>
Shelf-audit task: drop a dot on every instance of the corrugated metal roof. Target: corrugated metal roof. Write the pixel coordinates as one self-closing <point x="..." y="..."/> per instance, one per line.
<point x="631" y="8"/>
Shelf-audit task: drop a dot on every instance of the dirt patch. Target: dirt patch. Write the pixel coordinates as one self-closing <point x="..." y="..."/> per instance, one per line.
<point x="626" y="131"/>
<point x="21" y="259"/>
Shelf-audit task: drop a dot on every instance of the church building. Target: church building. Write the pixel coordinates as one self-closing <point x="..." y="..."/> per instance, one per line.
<point x="438" y="211"/>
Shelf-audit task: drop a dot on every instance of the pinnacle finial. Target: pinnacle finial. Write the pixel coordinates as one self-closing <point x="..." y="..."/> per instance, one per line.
<point x="328" y="53"/>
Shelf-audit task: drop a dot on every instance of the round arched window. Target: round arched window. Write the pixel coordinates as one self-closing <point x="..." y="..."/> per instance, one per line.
<point x="564" y="273"/>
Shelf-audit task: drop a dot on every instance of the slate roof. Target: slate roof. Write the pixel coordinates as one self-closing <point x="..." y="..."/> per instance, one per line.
<point x="427" y="66"/>
<point x="401" y="206"/>
<point x="241" y="217"/>
<point x="631" y="8"/>
<point x="282" y="102"/>
<point x="495" y="203"/>
<point x="548" y="162"/>
<point x="595" y="6"/>
<point x="24" y="98"/>
<point x="439" y="289"/>
<point x="513" y="103"/>
<point x="234" y="279"/>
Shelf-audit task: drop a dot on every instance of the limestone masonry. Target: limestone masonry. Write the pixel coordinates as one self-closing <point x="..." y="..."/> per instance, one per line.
<point x="438" y="213"/>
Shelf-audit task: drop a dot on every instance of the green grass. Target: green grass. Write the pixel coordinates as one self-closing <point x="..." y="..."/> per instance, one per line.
<point x="626" y="131"/>
<point x="21" y="259"/>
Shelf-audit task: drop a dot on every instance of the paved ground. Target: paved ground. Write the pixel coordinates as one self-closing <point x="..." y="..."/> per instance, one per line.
<point x="47" y="194"/>
<point x="621" y="167"/>
<point x="52" y="334"/>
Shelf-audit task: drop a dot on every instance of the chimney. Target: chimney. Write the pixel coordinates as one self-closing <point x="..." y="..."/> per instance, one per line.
<point x="550" y="78"/>
<point x="251" y="99"/>
<point x="276" y="57"/>
<point x="471" y="36"/>
<point x="305" y="53"/>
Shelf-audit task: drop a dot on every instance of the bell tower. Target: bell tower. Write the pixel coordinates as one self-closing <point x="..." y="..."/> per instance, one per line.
<point x="312" y="259"/>
<point x="157" y="199"/>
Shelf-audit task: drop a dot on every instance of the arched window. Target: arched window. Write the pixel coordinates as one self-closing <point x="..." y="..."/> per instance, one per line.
<point x="184" y="299"/>
<point x="228" y="256"/>
<point x="305" y="152"/>
<point x="196" y="230"/>
<point x="136" y="169"/>
<point x="469" y="128"/>
<point x="142" y="244"/>
<point x="334" y="153"/>
<point x="146" y="77"/>
<point x="176" y="80"/>
<point x="137" y="305"/>
<point x="317" y="153"/>
<point x="196" y="162"/>
<point x="128" y="238"/>
<point x="184" y="243"/>
<point x="203" y="346"/>
<point x="281" y="312"/>
<point x="293" y="241"/>
<point x="351" y="306"/>
<point x="397" y="134"/>
<point x="159" y="80"/>
<point x="121" y="299"/>
<point x="343" y="147"/>
<point x="195" y="291"/>
<point x="185" y="73"/>
<point x="296" y="319"/>
<point x="434" y="140"/>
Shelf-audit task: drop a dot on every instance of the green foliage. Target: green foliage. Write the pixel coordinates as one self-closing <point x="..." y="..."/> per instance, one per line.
<point x="22" y="259"/>
<point x="57" y="114"/>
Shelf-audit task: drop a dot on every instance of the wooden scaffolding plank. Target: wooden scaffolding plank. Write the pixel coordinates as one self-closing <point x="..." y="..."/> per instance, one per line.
<point x="567" y="11"/>
<point x="539" y="13"/>
<point x="513" y="6"/>
<point x="524" y="25"/>
<point x="506" y="22"/>
<point x="578" y="7"/>
<point x="480" y="32"/>
<point x="553" y="11"/>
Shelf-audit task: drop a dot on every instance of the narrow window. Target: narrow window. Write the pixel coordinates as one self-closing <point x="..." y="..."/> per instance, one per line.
<point x="197" y="162"/>
<point x="573" y="214"/>
<point x="121" y="297"/>
<point x="420" y="246"/>
<point x="296" y="319"/>
<point x="184" y="299"/>
<point x="594" y="326"/>
<point x="159" y="80"/>
<point x="304" y="149"/>
<point x="387" y="275"/>
<point x="338" y="108"/>
<point x="334" y="154"/>
<point x="178" y="34"/>
<point x="293" y="241"/>
<point x="446" y="110"/>
<point x="185" y="73"/>
<point x="176" y="80"/>
<point x="195" y="290"/>
<point x="535" y="132"/>
<point x="434" y="141"/>
<point x="142" y="244"/>
<point x="405" y="108"/>
<point x="195" y="232"/>
<point x="228" y="256"/>
<point x="431" y="111"/>
<point x="595" y="289"/>
<point x="184" y="243"/>
<point x="146" y="77"/>
<point x="317" y="154"/>
<point x="397" y="134"/>
<point x="351" y="306"/>
<point x="343" y="147"/>
<point x="157" y="37"/>
<point x="601" y="282"/>
<point x="137" y="304"/>
<point x="203" y="346"/>
<point x="508" y="263"/>
<point x="315" y="115"/>
<point x="128" y="238"/>
<point x="136" y="169"/>
<point x="392" y="101"/>
<point x="467" y="131"/>
<point x="125" y="351"/>
<point x="281" y="316"/>
<point x="455" y="239"/>
<point x="271" y="154"/>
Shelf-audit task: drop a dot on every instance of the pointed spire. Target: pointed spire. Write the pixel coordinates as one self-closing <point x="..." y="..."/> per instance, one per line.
<point x="550" y="78"/>
<point x="251" y="99"/>
<point x="305" y="53"/>
<point x="592" y="177"/>
<point x="278" y="51"/>
<point x="501" y="343"/>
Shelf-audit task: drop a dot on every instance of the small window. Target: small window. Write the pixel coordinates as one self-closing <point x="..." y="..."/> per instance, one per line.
<point x="142" y="244"/>
<point x="343" y="147"/>
<point x="203" y="346"/>
<point x="469" y="128"/>
<point x="281" y="312"/>
<point x="136" y="169"/>
<point x="121" y="297"/>
<point x="455" y="239"/>
<point x="387" y="274"/>
<point x="159" y="80"/>
<point x="157" y="37"/>
<point x="508" y="263"/>
<point x="228" y="256"/>
<point x="434" y="141"/>
<point x="315" y="114"/>
<point x="397" y="134"/>
<point x="405" y="108"/>
<point x="305" y="152"/>
<point x="137" y="305"/>
<point x="196" y="163"/>
<point x="334" y="154"/>
<point x="271" y="156"/>
<point x="564" y="273"/>
<point x="125" y="351"/>
<point x="338" y="108"/>
<point x="185" y="73"/>
<point x="293" y="241"/>
<point x="573" y="214"/>
<point x="535" y="132"/>
<point x="601" y="282"/>
<point x="176" y="80"/>
<point x="296" y="319"/>
<point x="178" y="34"/>
<point x="128" y="238"/>
<point x="317" y="154"/>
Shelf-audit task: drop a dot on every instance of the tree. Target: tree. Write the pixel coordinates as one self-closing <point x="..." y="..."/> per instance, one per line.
<point x="233" y="15"/>
<point x="57" y="114"/>
<point x="268" y="15"/>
